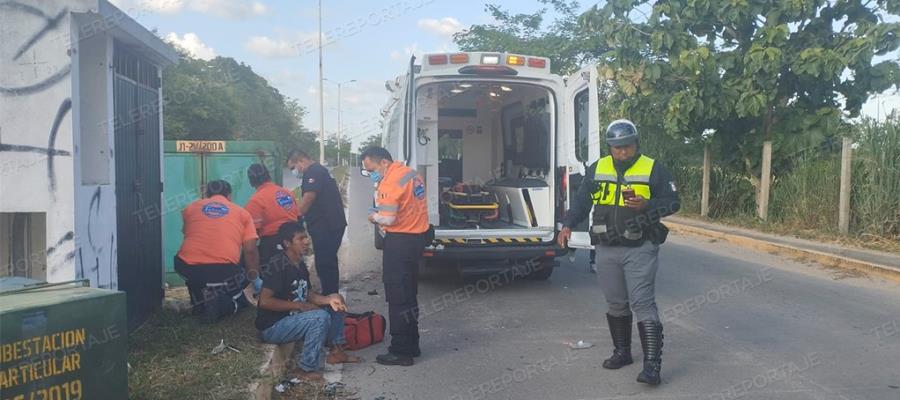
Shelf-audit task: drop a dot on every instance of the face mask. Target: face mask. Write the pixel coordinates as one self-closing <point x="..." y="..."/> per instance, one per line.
<point x="295" y="172"/>
<point x="375" y="176"/>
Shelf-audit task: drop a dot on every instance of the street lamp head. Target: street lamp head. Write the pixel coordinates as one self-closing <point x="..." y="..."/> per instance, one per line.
<point x="339" y="83"/>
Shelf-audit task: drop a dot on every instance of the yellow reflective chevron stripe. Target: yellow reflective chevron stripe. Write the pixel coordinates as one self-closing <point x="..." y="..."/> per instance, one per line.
<point x="497" y="240"/>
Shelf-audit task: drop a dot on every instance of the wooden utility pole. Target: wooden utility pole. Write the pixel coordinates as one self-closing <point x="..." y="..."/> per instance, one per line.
<point x="704" y="197"/>
<point x="765" y="181"/>
<point x="844" y="204"/>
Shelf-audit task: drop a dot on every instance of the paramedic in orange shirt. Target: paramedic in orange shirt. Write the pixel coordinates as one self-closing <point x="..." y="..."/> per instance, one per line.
<point x="215" y="232"/>
<point x="271" y="206"/>
<point x="402" y="212"/>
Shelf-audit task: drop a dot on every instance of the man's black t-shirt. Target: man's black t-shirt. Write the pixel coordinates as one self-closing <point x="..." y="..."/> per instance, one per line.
<point x="328" y="209"/>
<point x="287" y="281"/>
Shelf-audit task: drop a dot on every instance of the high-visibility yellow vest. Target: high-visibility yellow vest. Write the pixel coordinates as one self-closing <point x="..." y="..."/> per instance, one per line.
<point x="637" y="177"/>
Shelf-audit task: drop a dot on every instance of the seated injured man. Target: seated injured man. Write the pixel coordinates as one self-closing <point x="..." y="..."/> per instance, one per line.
<point x="288" y="311"/>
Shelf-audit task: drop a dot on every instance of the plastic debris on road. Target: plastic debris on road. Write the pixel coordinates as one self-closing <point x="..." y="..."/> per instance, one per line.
<point x="581" y="344"/>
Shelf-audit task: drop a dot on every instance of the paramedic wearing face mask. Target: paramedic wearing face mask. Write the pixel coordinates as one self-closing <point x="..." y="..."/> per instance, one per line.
<point x="628" y="192"/>
<point x="401" y="211"/>
<point x="322" y="208"/>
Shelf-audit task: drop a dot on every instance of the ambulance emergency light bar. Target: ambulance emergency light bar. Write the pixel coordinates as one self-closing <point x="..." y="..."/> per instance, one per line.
<point x="487" y="60"/>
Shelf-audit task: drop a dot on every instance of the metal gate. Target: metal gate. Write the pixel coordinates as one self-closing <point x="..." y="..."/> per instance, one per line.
<point x="138" y="185"/>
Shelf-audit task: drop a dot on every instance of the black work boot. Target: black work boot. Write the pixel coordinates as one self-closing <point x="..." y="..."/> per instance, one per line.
<point x="651" y="333"/>
<point x="620" y="330"/>
<point x="394" y="359"/>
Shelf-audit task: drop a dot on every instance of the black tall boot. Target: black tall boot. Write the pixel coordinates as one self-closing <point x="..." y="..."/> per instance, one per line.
<point x="652" y="341"/>
<point x="620" y="330"/>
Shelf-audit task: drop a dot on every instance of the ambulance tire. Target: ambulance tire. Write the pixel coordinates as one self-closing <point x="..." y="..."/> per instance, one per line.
<point x="379" y="240"/>
<point x="543" y="270"/>
<point x="428" y="270"/>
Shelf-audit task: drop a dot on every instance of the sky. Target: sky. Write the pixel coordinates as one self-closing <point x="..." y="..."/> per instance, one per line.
<point x="366" y="41"/>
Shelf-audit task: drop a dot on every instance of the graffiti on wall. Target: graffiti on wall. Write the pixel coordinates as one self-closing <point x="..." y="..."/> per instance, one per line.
<point x="34" y="76"/>
<point x="37" y="60"/>
<point x="44" y="75"/>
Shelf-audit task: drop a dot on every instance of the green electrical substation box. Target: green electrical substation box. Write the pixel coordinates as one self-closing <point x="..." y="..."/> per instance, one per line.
<point x="62" y="341"/>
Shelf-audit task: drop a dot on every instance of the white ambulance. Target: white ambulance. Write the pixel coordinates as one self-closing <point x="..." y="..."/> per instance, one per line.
<point x="502" y="144"/>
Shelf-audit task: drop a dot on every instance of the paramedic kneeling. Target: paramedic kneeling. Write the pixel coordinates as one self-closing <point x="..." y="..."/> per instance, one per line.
<point x="215" y="232"/>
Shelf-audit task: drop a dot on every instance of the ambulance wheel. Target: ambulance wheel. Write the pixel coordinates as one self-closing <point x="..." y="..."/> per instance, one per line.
<point x="543" y="270"/>
<point x="431" y="269"/>
<point x="379" y="240"/>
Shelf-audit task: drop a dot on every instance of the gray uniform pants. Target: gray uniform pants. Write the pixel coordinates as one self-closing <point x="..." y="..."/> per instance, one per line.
<point x="627" y="276"/>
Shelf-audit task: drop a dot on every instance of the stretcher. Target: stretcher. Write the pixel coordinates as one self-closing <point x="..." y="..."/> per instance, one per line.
<point x="470" y="205"/>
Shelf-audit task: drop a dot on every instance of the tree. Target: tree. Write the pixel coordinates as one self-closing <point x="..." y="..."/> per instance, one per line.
<point x="222" y="99"/>
<point x="374" y="140"/>
<point x="331" y="148"/>
<point x="197" y="106"/>
<point x="562" y="41"/>
<point x="752" y="70"/>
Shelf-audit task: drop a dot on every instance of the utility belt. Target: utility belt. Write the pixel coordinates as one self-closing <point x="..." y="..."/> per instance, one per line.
<point x="619" y="233"/>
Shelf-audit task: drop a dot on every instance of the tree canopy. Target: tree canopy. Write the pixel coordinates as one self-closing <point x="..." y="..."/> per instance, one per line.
<point x="730" y="72"/>
<point x="563" y="40"/>
<point x="223" y="99"/>
<point x="751" y="70"/>
<point x="373" y="140"/>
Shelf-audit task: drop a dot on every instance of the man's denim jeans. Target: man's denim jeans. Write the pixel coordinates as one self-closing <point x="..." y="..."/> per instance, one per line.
<point x="313" y="328"/>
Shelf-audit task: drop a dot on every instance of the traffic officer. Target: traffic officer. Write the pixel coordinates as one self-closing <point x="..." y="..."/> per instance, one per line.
<point x="401" y="211"/>
<point x="271" y="206"/>
<point x="322" y="208"/>
<point x="215" y="232"/>
<point x="629" y="193"/>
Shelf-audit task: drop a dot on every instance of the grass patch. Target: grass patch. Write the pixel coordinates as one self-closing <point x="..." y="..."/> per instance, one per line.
<point x="341" y="174"/>
<point x="170" y="357"/>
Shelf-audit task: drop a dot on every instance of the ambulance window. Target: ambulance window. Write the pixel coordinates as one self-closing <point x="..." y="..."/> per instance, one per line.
<point x="581" y="126"/>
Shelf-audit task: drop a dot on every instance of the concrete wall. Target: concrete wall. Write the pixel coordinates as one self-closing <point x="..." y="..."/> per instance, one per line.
<point x="57" y="155"/>
<point x="94" y="158"/>
<point x="36" y="122"/>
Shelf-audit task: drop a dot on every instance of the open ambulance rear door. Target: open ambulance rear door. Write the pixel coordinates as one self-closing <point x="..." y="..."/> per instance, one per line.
<point x="579" y="146"/>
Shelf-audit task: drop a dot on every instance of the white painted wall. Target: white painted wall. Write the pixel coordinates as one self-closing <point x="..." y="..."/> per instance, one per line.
<point x="56" y="97"/>
<point x="36" y="118"/>
<point x="94" y="161"/>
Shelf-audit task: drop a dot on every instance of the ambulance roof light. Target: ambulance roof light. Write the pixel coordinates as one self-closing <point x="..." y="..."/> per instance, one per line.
<point x="490" y="59"/>
<point x="459" y="58"/>
<point x="537" y="62"/>
<point x="437" y="59"/>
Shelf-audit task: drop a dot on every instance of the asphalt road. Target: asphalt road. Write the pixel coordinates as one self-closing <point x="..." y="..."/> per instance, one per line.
<point x="739" y="324"/>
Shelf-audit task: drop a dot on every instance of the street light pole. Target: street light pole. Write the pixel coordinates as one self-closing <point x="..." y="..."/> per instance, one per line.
<point x="340" y="127"/>
<point x="321" y="95"/>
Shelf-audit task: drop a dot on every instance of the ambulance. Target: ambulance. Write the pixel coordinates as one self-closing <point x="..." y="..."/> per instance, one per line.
<point x="502" y="144"/>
